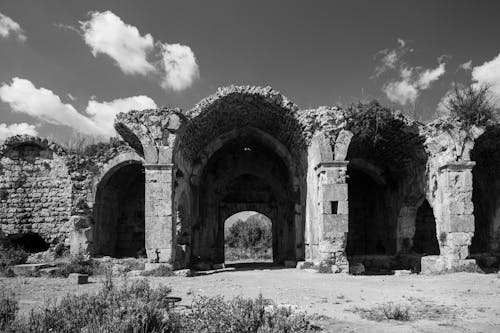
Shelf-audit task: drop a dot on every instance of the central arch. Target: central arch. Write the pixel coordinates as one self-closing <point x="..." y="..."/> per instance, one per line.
<point x="241" y="149"/>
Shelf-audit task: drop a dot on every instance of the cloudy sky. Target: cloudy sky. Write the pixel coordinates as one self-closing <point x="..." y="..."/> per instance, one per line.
<point x="68" y="67"/>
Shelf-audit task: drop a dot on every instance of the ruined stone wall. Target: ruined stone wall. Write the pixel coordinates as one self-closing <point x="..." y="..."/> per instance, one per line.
<point x="35" y="190"/>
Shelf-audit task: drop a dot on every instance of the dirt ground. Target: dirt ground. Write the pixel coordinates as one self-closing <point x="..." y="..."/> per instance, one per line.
<point x="460" y="302"/>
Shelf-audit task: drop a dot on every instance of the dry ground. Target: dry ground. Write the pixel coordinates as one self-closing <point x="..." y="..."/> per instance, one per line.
<point x="460" y="302"/>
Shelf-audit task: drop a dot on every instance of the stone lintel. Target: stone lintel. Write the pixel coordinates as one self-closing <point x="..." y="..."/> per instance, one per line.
<point x="332" y="164"/>
<point x="457" y="166"/>
<point x="150" y="166"/>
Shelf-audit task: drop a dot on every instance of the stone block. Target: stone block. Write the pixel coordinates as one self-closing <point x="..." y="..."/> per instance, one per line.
<point x="343" y="207"/>
<point x="304" y="264"/>
<point x="150" y="154"/>
<point x="433" y="264"/>
<point x="334" y="192"/>
<point x="164" y="155"/>
<point x="184" y="272"/>
<point x="290" y="264"/>
<point x="334" y="223"/>
<point x="462" y="223"/>
<point x="50" y="272"/>
<point x="78" y="278"/>
<point x="400" y="272"/>
<point x="28" y="269"/>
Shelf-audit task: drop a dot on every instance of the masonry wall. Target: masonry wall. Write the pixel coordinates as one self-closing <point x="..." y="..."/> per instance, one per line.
<point x="35" y="193"/>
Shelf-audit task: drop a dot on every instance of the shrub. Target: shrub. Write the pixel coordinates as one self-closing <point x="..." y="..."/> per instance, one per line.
<point x="10" y="256"/>
<point x="214" y="314"/>
<point x="8" y="309"/>
<point x="78" y="264"/>
<point x="136" y="307"/>
<point x="367" y="120"/>
<point x="386" y="311"/>
<point x="471" y="106"/>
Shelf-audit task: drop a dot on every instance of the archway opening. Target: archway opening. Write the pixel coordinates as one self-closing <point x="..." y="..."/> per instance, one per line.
<point x="371" y="229"/>
<point x="119" y="212"/>
<point x="29" y="242"/>
<point x="246" y="174"/>
<point x="248" y="238"/>
<point x="386" y="183"/>
<point x="425" y="239"/>
<point x="485" y="246"/>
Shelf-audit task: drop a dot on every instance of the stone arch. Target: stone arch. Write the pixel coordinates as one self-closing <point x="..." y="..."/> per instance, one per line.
<point x="118" y="209"/>
<point x="386" y="180"/>
<point x="221" y="130"/>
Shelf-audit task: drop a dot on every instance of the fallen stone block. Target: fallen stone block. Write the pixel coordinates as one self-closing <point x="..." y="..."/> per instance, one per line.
<point x="433" y="265"/>
<point x="400" y="272"/>
<point x="28" y="269"/>
<point x="135" y="272"/>
<point x="183" y="272"/>
<point x="290" y="263"/>
<point x="149" y="266"/>
<point x="78" y="278"/>
<point x="50" y="272"/>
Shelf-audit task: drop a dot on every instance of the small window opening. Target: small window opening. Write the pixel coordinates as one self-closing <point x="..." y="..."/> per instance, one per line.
<point x="334" y="205"/>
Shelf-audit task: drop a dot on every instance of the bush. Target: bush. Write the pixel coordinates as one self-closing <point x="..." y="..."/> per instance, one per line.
<point x="8" y="309"/>
<point x="136" y="307"/>
<point x="10" y="256"/>
<point x="471" y="106"/>
<point x="78" y="264"/>
<point x="214" y="314"/>
<point x="368" y="120"/>
<point x="386" y="311"/>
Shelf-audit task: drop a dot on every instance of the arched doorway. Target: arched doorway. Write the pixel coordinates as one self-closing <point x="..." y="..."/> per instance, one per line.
<point x="241" y="149"/>
<point x="425" y="239"/>
<point x="485" y="245"/>
<point x="119" y="211"/>
<point x="245" y="175"/>
<point x="386" y="184"/>
<point x="248" y="238"/>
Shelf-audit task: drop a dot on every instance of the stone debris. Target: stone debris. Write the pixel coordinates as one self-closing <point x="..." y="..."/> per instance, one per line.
<point x="77" y="278"/>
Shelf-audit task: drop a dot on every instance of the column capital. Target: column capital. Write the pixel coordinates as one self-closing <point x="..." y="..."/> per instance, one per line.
<point x="457" y="166"/>
<point x="158" y="166"/>
<point x="332" y="164"/>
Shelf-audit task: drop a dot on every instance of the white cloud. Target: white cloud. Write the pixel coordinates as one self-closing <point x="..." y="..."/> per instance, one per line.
<point x="489" y="74"/>
<point x="402" y="92"/>
<point x="466" y="66"/>
<point x="180" y="66"/>
<point x="8" y="26"/>
<point x="103" y="113"/>
<point x="442" y="108"/>
<point x="15" y="129"/>
<point x="106" y="33"/>
<point x="41" y="103"/>
<point x="412" y="83"/>
<point x="430" y="75"/>
<point x="391" y="57"/>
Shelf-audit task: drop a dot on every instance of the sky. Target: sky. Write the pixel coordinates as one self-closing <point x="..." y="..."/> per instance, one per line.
<point x="68" y="67"/>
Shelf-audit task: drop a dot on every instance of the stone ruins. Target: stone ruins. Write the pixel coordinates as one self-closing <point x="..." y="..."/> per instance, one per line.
<point x="396" y="194"/>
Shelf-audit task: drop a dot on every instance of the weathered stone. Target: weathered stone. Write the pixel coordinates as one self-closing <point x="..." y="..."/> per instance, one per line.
<point x="28" y="269"/>
<point x="50" y="272"/>
<point x="290" y="263"/>
<point x="77" y="278"/>
<point x="183" y="272"/>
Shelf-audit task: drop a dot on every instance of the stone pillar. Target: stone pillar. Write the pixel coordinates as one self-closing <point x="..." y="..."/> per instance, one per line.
<point x="158" y="212"/>
<point x="333" y="214"/>
<point x="454" y="219"/>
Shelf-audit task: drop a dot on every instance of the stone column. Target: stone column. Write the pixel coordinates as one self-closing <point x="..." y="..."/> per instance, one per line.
<point x="333" y="214"/>
<point x="158" y="212"/>
<point x="454" y="219"/>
